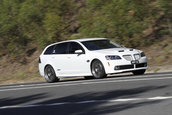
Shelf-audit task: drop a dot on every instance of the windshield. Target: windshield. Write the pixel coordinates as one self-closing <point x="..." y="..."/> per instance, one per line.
<point x="100" y="44"/>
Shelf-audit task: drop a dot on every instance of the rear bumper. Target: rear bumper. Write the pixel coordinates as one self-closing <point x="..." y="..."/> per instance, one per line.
<point x="41" y="69"/>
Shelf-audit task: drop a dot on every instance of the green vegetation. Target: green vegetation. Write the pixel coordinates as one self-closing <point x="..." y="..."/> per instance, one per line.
<point x="166" y="6"/>
<point x="123" y="20"/>
<point x="24" y="23"/>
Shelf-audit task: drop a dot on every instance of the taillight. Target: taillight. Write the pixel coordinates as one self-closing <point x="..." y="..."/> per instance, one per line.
<point x="39" y="60"/>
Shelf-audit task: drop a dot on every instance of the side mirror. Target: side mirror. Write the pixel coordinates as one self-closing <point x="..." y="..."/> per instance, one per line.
<point x="78" y="52"/>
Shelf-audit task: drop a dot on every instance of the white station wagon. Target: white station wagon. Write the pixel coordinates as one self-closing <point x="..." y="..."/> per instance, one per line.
<point x="91" y="58"/>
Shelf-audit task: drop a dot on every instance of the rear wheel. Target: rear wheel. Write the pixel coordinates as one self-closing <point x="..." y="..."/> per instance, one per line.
<point x="50" y="75"/>
<point x="139" y="72"/>
<point x="98" y="70"/>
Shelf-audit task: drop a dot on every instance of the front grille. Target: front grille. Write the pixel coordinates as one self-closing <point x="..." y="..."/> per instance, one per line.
<point x="141" y="65"/>
<point x="124" y="67"/>
<point x="127" y="57"/>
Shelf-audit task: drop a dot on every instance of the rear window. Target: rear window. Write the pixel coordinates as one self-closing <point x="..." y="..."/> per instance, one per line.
<point x="61" y="48"/>
<point x="49" y="50"/>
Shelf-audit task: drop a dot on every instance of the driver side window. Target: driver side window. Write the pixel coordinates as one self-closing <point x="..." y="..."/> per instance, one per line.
<point x="73" y="47"/>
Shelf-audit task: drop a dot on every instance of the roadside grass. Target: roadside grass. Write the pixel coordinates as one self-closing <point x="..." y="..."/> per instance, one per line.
<point x="20" y="77"/>
<point x="159" y="56"/>
<point x="165" y="56"/>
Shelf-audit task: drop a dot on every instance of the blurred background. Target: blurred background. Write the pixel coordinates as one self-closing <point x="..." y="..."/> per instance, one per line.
<point x="27" y="26"/>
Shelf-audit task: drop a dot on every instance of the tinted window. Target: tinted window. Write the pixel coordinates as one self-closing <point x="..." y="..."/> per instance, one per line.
<point x="61" y="48"/>
<point x="100" y="44"/>
<point x="49" y="50"/>
<point x="73" y="47"/>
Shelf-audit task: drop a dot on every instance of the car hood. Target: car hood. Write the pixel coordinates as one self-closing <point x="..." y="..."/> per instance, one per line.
<point x="118" y="51"/>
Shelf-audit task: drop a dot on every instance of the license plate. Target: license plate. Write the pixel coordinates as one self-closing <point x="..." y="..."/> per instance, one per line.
<point x="134" y="61"/>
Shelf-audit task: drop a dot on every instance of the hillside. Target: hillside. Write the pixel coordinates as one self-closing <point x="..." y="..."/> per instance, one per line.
<point x="26" y="27"/>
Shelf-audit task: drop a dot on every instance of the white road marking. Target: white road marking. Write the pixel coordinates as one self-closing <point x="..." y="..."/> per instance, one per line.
<point x="160" y="98"/>
<point x="69" y="82"/>
<point x="55" y="104"/>
<point x="97" y="81"/>
<point x="90" y="101"/>
<point x="7" y="107"/>
<point x="29" y="106"/>
<point x="125" y="100"/>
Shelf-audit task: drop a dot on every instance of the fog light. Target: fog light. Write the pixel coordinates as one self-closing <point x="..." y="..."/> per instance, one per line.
<point x="117" y="68"/>
<point x="145" y="65"/>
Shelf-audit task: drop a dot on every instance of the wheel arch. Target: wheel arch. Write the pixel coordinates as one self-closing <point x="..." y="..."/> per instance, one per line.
<point x="47" y="65"/>
<point x="51" y="66"/>
<point x="98" y="60"/>
<point x="53" y="77"/>
<point x="93" y="61"/>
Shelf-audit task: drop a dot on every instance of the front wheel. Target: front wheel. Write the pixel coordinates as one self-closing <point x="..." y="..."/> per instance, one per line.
<point x="139" y="72"/>
<point x="50" y="75"/>
<point x="98" y="70"/>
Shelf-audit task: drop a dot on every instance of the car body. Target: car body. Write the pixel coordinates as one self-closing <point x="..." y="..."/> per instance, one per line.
<point x="89" y="57"/>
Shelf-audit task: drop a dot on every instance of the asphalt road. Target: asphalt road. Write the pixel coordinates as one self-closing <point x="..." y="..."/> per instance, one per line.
<point x="149" y="94"/>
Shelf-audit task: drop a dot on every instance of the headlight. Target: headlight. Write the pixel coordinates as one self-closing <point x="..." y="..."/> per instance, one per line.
<point x="113" y="57"/>
<point x="142" y="54"/>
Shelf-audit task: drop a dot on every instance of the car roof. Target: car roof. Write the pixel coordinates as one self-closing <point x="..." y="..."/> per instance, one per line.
<point x="88" y="39"/>
<point x="78" y="40"/>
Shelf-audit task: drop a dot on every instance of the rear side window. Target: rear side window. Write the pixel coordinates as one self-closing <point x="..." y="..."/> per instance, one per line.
<point x="49" y="50"/>
<point x="61" y="48"/>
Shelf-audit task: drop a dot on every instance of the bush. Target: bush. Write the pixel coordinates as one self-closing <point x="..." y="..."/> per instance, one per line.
<point x="42" y="22"/>
<point x="121" y="20"/>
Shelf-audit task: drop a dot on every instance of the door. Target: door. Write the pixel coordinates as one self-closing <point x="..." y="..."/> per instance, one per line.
<point x="78" y="64"/>
<point x="60" y="58"/>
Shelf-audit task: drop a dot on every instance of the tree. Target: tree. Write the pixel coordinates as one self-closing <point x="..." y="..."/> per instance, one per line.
<point x="122" y="20"/>
<point x="166" y="6"/>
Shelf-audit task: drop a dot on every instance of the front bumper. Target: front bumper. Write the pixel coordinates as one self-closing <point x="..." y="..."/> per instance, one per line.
<point x="119" y="66"/>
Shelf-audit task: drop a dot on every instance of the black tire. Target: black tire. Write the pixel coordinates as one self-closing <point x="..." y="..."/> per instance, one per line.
<point x="50" y="75"/>
<point x="139" y="72"/>
<point x="98" y="70"/>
